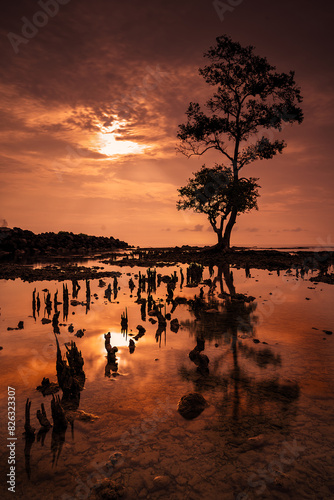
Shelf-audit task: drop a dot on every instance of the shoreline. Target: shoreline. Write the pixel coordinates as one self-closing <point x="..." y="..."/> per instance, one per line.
<point x="61" y="268"/>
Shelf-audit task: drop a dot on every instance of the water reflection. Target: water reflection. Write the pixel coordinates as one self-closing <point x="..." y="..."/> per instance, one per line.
<point x="71" y="380"/>
<point x="247" y="400"/>
<point x="206" y="330"/>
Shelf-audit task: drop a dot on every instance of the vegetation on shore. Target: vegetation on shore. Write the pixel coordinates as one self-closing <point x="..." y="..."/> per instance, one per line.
<point x="18" y="243"/>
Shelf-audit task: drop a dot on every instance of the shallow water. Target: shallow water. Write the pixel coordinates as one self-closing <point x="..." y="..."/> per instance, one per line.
<point x="267" y="432"/>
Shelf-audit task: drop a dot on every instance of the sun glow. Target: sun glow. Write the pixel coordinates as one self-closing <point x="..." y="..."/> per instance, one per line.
<point x="111" y="144"/>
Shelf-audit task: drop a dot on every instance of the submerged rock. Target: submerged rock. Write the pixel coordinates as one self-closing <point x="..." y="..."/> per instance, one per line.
<point x="81" y="415"/>
<point x="191" y="405"/>
<point x="107" y="490"/>
<point x="161" y="482"/>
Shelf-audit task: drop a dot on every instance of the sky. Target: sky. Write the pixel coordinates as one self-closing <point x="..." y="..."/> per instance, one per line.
<point x="92" y="94"/>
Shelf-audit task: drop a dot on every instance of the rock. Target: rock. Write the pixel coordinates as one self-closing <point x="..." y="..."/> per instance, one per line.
<point x="1" y="348"/>
<point x="161" y="481"/>
<point x="108" y="490"/>
<point x="191" y="405"/>
<point x="116" y="458"/>
<point x="84" y="416"/>
<point x="20" y="325"/>
<point x="153" y="321"/>
<point x="141" y="332"/>
<point x="256" y="341"/>
<point x="177" y="432"/>
<point x="80" y="333"/>
<point x="256" y="441"/>
<point x="181" y="480"/>
<point x="174" y="325"/>
<point x="327" y="332"/>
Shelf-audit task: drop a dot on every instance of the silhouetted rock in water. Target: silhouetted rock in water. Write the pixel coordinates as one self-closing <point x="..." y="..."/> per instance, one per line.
<point x="75" y="302"/>
<point x="47" y="387"/>
<point x="256" y="341"/>
<point x="55" y="322"/>
<point x="20" y="326"/>
<point x="194" y="274"/>
<point x="132" y="346"/>
<point x="102" y="283"/>
<point x="42" y="418"/>
<point x="111" y="351"/>
<point x="108" y="292"/>
<point x="124" y="320"/>
<point x="191" y="405"/>
<point x="107" y="490"/>
<point x="132" y="285"/>
<point x="48" y="303"/>
<point x="45" y="321"/>
<point x="161" y="319"/>
<point x="174" y="325"/>
<point x="112" y="365"/>
<point x="141" y="332"/>
<point x="58" y="414"/>
<point x="153" y="321"/>
<point x="70" y="374"/>
<point x="71" y="328"/>
<point x="327" y="332"/>
<point x="80" y="333"/>
<point x="1" y="348"/>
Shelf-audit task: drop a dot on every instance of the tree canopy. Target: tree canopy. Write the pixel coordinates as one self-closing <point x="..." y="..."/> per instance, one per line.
<point x="214" y="192"/>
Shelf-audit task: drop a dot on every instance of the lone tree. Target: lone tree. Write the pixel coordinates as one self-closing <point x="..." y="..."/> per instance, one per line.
<point x="250" y="97"/>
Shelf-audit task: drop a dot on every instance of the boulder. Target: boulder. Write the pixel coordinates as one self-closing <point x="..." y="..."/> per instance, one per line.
<point x="191" y="405"/>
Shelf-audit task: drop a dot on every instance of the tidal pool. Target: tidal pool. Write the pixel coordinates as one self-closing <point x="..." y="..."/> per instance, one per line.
<point x="267" y="430"/>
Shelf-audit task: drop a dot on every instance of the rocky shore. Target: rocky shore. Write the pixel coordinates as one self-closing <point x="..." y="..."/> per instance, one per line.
<point x="19" y="244"/>
<point x="65" y="268"/>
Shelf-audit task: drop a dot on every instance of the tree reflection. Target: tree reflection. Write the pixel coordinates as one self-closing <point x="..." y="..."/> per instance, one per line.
<point x="248" y="400"/>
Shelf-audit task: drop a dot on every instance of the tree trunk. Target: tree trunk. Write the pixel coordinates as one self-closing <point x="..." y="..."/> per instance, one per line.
<point x="228" y="229"/>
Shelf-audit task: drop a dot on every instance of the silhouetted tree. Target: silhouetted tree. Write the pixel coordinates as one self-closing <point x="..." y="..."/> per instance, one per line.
<point x="214" y="192"/>
<point x="250" y="97"/>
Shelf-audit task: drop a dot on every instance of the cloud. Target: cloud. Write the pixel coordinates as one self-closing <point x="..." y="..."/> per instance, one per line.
<point x="295" y="230"/>
<point x="251" y="229"/>
<point x="197" y="228"/>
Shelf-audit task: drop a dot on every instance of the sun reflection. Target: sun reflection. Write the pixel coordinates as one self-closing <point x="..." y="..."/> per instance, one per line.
<point x="110" y="142"/>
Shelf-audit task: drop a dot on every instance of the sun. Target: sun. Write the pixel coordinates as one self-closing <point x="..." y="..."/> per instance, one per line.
<point x="110" y="143"/>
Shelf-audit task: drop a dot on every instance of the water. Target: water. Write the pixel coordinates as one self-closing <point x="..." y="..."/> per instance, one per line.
<point x="267" y="432"/>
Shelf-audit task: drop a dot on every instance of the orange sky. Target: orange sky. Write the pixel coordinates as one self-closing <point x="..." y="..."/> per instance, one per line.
<point x="90" y="105"/>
